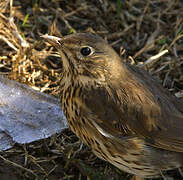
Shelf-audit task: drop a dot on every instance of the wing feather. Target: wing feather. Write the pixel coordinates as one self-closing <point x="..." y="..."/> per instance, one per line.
<point x="139" y="106"/>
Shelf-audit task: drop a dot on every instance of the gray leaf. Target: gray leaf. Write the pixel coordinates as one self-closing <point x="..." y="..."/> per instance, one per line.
<point x="27" y="115"/>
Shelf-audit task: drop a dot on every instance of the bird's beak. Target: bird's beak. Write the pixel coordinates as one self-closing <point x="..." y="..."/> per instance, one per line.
<point x="53" y="40"/>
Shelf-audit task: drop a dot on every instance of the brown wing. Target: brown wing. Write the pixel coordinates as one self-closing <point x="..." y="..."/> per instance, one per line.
<point x="162" y="123"/>
<point x="105" y="112"/>
<point x="138" y="106"/>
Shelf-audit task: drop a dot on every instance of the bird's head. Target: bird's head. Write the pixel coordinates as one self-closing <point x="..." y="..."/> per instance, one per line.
<point x="85" y="56"/>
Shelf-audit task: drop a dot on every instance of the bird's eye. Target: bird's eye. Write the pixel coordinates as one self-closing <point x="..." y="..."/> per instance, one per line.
<point x="86" y="51"/>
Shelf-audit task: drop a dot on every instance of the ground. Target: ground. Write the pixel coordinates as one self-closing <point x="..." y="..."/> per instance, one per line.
<point x="138" y="30"/>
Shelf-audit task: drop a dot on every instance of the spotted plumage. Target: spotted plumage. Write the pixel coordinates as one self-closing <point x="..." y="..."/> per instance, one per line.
<point x="119" y="110"/>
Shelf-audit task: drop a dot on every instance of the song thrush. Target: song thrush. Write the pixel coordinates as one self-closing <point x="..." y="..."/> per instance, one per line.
<point x="119" y="110"/>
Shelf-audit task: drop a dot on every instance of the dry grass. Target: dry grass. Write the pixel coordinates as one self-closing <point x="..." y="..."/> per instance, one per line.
<point x="141" y="31"/>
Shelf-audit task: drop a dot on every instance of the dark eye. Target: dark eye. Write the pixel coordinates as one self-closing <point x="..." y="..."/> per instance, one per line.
<point x="86" y="51"/>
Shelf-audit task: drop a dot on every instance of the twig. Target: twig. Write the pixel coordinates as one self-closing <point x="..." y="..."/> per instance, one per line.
<point x="14" y="29"/>
<point x="119" y="34"/>
<point x="8" y="42"/>
<point x="17" y="165"/>
<point x="147" y="46"/>
<point x="153" y="58"/>
<point x="175" y="39"/>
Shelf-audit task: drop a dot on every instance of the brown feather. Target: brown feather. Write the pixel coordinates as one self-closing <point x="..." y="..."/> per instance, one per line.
<point x="119" y="110"/>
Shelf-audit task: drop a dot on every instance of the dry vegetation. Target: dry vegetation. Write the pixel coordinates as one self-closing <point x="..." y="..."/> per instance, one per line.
<point x="141" y="31"/>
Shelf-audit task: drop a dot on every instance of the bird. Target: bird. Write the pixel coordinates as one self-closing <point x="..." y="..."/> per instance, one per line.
<point x="119" y="110"/>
